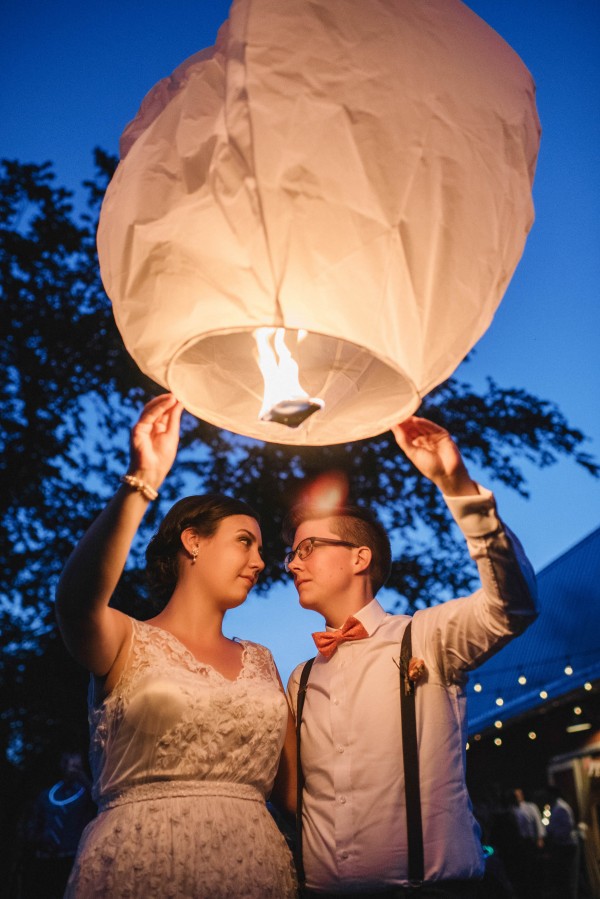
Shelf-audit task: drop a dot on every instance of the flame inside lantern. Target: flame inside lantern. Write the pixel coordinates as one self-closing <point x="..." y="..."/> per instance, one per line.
<point x="285" y="401"/>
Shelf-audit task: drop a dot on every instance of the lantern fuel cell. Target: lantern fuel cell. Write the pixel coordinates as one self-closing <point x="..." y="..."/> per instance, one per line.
<point x="292" y="413"/>
<point x="356" y="171"/>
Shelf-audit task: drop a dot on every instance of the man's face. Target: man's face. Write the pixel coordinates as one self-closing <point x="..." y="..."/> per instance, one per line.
<point x="326" y="575"/>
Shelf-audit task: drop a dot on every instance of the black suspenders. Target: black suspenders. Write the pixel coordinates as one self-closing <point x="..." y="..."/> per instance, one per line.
<point x="410" y="754"/>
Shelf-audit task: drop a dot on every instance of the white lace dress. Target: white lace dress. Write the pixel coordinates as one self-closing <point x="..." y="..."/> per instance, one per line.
<point x="182" y="760"/>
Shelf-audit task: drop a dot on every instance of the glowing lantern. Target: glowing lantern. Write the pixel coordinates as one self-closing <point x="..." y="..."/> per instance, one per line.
<point x="353" y="176"/>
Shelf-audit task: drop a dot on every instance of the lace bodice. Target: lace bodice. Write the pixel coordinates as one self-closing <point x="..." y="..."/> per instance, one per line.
<point x="182" y="759"/>
<point x="173" y="718"/>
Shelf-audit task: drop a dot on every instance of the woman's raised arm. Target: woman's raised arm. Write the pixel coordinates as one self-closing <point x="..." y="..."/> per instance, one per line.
<point x="94" y="633"/>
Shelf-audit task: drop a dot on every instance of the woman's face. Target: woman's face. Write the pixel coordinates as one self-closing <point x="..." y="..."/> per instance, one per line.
<point x="229" y="563"/>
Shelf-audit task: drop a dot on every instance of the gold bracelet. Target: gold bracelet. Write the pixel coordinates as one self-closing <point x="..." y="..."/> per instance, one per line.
<point x="146" y="490"/>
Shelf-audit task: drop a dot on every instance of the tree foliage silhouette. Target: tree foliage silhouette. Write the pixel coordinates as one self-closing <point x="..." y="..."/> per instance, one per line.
<point x="70" y="393"/>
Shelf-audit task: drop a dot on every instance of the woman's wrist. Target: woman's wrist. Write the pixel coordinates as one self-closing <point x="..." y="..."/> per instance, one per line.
<point x="143" y="481"/>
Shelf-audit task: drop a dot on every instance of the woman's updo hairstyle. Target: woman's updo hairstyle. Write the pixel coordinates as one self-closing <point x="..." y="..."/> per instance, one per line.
<point x="203" y="513"/>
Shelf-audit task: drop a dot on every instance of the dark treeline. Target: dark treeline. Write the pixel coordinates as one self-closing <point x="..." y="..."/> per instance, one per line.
<point x="70" y="392"/>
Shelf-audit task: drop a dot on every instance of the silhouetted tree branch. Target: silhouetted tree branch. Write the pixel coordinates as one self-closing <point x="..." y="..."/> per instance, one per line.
<point x="70" y="393"/>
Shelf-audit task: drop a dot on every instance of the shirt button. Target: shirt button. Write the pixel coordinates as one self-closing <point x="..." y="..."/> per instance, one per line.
<point x="340" y="748"/>
<point x="343" y="855"/>
<point x="343" y="800"/>
<point x="336" y="702"/>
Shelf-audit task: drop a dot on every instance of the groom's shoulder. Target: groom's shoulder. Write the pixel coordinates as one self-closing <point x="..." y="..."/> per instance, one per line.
<point x="296" y="674"/>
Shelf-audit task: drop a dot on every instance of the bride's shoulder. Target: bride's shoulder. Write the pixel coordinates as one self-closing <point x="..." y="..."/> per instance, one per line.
<point x="260" y="658"/>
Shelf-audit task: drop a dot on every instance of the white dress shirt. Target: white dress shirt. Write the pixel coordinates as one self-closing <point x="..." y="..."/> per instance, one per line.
<point x="529" y="821"/>
<point x="354" y="817"/>
<point x="561" y="830"/>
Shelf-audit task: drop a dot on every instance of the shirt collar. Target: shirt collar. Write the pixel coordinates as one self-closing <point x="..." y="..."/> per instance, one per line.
<point x="370" y="616"/>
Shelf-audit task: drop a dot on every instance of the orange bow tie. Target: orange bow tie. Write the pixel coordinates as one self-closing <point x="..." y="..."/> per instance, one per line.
<point x="328" y="641"/>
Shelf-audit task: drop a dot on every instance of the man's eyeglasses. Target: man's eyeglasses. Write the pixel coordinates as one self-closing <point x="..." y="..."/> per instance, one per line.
<point x="306" y="546"/>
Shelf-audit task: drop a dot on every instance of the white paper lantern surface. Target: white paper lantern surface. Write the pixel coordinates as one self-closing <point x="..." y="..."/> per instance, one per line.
<point x="359" y="170"/>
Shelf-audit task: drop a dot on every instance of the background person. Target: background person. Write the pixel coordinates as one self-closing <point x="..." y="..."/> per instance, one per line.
<point x="51" y="831"/>
<point x="529" y="820"/>
<point x="562" y="842"/>
<point x="531" y="833"/>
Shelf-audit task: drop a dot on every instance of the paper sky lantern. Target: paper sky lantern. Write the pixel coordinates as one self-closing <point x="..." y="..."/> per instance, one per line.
<point x="346" y="183"/>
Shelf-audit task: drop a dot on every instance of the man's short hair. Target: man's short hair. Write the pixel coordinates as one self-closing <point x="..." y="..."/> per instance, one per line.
<point x="354" y="524"/>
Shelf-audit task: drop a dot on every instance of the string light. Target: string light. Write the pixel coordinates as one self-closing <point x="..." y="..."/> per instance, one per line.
<point x="539" y="684"/>
<point x="536" y="667"/>
<point x="575" y="728"/>
<point x="538" y="677"/>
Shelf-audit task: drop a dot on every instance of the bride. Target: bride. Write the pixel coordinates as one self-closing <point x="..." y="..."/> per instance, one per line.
<point x="187" y="727"/>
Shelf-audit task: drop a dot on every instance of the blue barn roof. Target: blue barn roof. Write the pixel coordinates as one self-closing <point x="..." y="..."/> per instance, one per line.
<point x="558" y="654"/>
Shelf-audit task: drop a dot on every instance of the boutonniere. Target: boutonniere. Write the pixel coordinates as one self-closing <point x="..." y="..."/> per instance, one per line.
<point x="411" y="671"/>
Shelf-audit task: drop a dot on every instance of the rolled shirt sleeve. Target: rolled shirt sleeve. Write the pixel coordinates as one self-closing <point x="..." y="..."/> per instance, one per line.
<point x="468" y="630"/>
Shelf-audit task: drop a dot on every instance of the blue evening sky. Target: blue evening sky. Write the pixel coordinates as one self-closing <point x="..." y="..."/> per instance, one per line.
<point x="74" y="73"/>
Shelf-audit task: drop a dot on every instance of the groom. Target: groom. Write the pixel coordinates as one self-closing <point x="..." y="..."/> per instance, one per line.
<point x="384" y="805"/>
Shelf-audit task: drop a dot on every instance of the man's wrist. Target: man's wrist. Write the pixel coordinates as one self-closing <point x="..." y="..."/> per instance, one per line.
<point x="462" y="485"/>
<point x="475" y="514"/>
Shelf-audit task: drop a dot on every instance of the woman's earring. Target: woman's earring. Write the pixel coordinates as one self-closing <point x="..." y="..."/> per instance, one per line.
<point x="194" y="555"/>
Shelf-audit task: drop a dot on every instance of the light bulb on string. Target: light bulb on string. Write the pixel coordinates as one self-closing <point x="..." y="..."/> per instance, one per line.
<point x="577" y="728"/>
